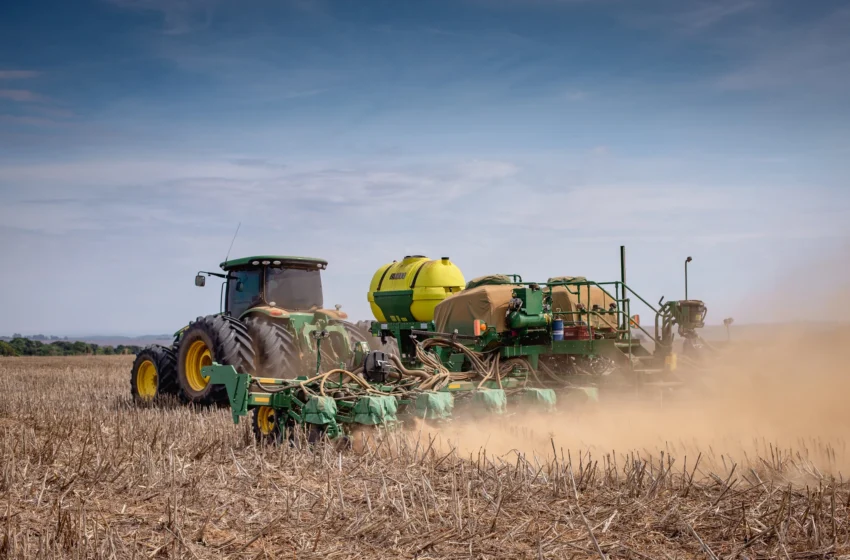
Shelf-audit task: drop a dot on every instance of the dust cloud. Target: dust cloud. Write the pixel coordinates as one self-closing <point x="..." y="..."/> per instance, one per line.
<point x="784" y="390"/>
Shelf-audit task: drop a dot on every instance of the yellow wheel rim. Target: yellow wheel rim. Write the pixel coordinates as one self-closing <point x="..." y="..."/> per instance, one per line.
<point x="266" y="420"/>
<point x="197" y="357"/>
<point x="146" y="380"/>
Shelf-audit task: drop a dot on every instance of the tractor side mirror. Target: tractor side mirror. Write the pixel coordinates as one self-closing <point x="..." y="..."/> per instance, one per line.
<point x="200" y="281"/>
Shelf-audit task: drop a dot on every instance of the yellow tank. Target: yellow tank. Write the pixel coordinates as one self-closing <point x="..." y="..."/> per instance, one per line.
<point x="410" y="289"/>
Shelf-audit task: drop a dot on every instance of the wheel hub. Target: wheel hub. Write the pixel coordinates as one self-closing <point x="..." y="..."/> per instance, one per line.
<point x="197" y="357"/>
<point x="146" y="380"/>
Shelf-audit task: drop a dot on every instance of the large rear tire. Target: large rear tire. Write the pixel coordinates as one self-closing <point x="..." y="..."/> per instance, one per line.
<point x="154" y="373"/>
<point x="275" y="350"/>
<point x="214" y="338"/>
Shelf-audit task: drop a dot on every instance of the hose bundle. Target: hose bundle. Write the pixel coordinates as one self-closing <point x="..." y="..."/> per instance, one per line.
<point x="432" y="376"/>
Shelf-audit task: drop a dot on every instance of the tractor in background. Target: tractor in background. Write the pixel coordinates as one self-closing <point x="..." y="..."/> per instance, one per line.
<point x="272" y="324"/>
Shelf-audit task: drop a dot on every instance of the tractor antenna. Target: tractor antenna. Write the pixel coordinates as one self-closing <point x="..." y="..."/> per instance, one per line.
<point x="232" y="241"/>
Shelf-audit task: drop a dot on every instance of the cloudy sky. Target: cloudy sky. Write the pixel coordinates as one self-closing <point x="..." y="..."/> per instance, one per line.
<point x="529" y="136"/>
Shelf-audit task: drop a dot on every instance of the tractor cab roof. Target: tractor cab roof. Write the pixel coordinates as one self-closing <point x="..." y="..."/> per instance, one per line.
<point x="273" y="259"/>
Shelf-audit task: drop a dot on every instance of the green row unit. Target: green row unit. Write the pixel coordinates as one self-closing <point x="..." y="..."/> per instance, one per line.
<point x="336" y="417"/>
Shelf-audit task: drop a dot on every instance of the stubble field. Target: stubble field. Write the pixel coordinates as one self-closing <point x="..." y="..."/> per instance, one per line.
<point x="755" y="473"/>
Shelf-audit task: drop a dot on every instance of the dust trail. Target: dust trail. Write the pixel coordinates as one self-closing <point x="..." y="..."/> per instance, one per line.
<point x="786" y="390"/>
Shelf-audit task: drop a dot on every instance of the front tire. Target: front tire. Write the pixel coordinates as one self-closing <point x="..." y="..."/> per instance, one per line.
<point x="214" y="338"/>
<point x="154" y="373"/>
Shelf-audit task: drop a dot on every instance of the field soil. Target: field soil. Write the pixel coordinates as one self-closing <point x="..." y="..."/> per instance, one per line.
<point x="753" y="471"/>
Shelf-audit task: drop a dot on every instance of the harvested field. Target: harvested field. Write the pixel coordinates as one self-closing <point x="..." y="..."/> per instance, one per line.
<point x="87" y="474"/>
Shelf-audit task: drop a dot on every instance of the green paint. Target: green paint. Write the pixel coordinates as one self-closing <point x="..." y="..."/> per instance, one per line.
<point x="373" y="410"/>
<point x="395" y="305"/>
<point x="433" y="405"/>
<point x="490" y="401"/>
<point x="236" y="385"/>
<point x="539" y="399"/>
<point x="320" y="411"/>
<point x="249" y="261"/>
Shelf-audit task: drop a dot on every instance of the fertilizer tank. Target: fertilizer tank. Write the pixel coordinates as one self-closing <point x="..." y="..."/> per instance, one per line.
<point x="410" y="289"/>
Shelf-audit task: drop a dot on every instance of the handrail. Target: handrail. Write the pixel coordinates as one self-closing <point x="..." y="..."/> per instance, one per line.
<point x="637" y="295"/>
<point x="620" y="302"/>
<point x="619" y="312"/>
<point x="624" y="301"/>
<point x="599" y="285"/>
<point x="591" y="312"/>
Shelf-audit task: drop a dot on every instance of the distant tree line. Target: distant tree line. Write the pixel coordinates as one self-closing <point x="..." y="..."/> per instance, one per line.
<point x="20" y="346"/>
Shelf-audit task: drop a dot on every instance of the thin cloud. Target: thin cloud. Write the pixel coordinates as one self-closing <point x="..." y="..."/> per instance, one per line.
<point x="305" y="93"/>
<point x="257" y="162"/>
<point x="701" y="15"/>
<point x="179" y="16"/>
<point x="813" y="56"/>
<point x="21" y="95"/>
<point x="52" y="112"/>
<point x="18" y="74"/>
<point x="29" y="120"/>
<point x="175" y="190"/>
<point x="179" y="188"/>
<point x="691" y="16"/>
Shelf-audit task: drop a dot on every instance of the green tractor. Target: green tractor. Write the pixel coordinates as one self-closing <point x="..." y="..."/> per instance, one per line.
<point x="490" y="347"/>
<point x="463" y="350"/>
<point x="272" y="324"/>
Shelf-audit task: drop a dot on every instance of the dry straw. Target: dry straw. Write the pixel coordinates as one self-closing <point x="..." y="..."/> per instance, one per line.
<point x="86" y="474"/>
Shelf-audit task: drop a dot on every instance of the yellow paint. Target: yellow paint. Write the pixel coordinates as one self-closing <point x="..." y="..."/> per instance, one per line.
<point x="454" y="385"/>
<point x="197" y="357"/>
<point x="263" y="400"/>
<point x="670" y="362"/>
<point x="266" y="380"/>
<point x="435" y="281"/>
<point x="146" y="379"/>
<point x="266" y="420"/>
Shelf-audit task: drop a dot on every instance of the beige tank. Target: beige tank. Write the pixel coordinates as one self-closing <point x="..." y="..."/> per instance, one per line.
<point x="486" y="303"/>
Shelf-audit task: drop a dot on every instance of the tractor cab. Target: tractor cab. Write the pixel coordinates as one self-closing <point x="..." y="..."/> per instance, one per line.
<point x="287" y="283"/>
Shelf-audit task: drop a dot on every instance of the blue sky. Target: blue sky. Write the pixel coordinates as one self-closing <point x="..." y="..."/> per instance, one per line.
<point x="529" y="136"/>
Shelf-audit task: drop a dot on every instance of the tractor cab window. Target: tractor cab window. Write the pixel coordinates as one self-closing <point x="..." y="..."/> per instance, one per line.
<point x="243" y="291"/>
<point x="295" y="289"/>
